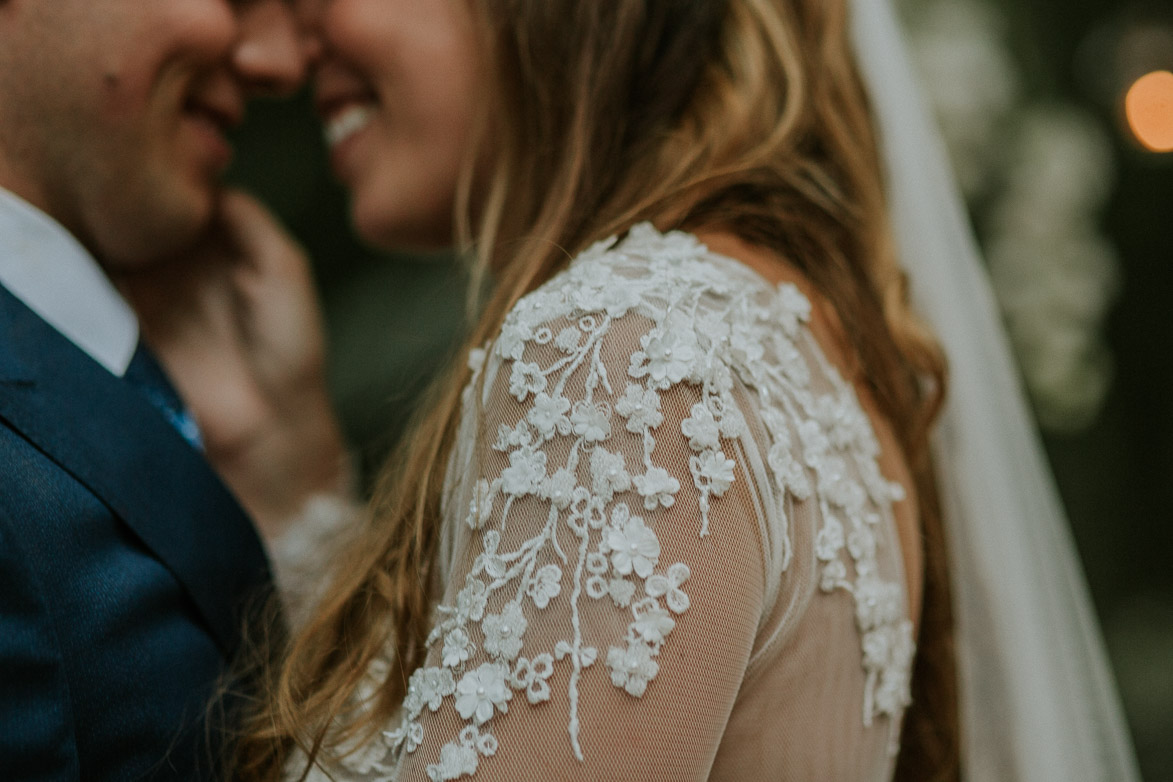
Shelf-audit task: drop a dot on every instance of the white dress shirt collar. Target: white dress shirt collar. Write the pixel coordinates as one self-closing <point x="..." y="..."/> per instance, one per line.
<point x="44" y="266"/>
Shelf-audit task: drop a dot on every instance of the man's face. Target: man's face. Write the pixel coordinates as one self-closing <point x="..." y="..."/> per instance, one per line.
<point x="113" y="112"/>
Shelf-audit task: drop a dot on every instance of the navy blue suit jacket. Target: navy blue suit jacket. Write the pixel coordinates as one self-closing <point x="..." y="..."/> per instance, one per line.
<point x="125" y="569"/>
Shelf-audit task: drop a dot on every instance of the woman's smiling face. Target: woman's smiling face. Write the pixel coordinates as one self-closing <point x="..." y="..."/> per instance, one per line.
<point x="396" y="88"/>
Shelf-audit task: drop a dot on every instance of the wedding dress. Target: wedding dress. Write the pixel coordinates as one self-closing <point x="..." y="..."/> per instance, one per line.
<point x="669" y="550"/>
<point x="670" y="553"/>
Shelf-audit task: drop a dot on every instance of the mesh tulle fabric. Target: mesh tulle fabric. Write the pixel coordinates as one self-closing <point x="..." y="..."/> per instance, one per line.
<point x="670" y="554"/>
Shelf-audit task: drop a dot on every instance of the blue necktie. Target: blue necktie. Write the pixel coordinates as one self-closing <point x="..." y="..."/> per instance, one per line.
<point x="145" y="374"/>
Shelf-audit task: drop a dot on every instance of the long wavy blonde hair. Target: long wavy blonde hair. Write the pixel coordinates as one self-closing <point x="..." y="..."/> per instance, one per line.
<point x="745" y="116"/>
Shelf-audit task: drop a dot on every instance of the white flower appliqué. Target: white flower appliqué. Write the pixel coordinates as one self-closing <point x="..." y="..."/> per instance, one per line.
<point x="633" y="547"/>
<point x="482" y="692"/>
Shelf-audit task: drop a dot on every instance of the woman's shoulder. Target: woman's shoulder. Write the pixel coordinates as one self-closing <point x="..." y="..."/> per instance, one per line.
<point x="651" y="280"/>
<point x="651" y="266"/>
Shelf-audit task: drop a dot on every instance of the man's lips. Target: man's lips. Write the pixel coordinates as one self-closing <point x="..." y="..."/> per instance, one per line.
<point x="210" y="119"/>
<point x="222" y="113"/>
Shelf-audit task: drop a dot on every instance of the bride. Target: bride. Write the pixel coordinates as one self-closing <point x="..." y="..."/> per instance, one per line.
<point x="674" y="513"/>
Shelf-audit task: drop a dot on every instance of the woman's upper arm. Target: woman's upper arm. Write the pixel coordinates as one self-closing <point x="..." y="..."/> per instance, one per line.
<point x="608" y="578"/>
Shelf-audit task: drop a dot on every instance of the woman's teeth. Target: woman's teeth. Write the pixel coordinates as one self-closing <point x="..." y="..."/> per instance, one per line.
<point x="347" y="122"/>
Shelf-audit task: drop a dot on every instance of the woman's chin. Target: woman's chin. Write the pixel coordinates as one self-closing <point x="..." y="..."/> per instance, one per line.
<point x="383" y="227"/>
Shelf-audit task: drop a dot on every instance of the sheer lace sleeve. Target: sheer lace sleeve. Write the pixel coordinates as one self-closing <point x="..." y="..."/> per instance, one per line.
<point x="651" y="491"/>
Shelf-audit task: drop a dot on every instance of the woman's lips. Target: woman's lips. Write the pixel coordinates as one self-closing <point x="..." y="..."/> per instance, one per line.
<point x="346" y="120"/>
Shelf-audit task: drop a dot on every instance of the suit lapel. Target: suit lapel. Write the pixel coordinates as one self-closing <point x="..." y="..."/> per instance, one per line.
<point x="108" y="437"/>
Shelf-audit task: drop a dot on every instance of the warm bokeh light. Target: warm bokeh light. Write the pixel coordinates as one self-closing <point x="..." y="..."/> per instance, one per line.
<point x="1149" y="108"/>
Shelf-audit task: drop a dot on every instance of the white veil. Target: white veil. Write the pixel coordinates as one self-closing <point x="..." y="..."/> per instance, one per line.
<point x="1038" y="699"/>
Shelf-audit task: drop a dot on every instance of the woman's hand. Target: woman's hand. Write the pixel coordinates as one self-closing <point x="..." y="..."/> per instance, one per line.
<point x="237" y="324"/>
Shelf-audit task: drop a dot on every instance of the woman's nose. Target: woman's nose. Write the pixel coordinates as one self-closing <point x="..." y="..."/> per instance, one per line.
<point x="274" y="50"/>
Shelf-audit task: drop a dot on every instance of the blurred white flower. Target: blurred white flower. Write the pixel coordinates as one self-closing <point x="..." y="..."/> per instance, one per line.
<point x="1054" y="273"/>
<point x="1060" y="161"/>
<point x="971" y="79"/>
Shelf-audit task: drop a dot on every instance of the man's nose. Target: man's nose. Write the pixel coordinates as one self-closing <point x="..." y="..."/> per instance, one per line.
<point x="272" y="53"/>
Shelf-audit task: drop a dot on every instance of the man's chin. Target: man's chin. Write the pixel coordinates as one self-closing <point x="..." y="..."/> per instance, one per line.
<point x="160" y="232"/>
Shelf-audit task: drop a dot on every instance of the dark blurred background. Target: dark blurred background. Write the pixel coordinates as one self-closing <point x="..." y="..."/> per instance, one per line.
<point x="1072" y="197"/>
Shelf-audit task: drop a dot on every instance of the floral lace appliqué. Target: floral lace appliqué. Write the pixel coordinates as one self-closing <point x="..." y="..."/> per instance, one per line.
<point x="707" y="330"/>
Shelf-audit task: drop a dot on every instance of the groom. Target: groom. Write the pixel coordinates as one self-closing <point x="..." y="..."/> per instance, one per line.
<point x="125" y="563"/>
